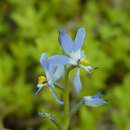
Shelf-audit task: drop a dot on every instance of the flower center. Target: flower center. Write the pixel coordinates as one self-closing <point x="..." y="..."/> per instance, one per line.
<point x="84" y="62"/>
<point x="41" y="79"/>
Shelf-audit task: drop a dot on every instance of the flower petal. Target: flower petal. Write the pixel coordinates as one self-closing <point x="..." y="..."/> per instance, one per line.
<point x="58" y="59"/>
<point x="56" y="66"/>
<point x="45" y="65"/>
<point x="44" y="62"/>
<point x="66" y="42"/>
<point x="94" y="101"/>
<point x="77" y="81"/>
<point x="88" y="68"/>
<point x="79" y="39"/>
<point x="53" y="66"/>
<point x="75" y="55"/>
<point x="55" y="96"/>
<point x="82" y="54"/>
<point x="40" y="87"/>
<point x="56" y="72"/>
<point x="59" y="72"/>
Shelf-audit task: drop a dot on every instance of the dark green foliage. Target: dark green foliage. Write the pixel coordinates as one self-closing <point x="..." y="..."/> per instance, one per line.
<point x="30" y="27"/>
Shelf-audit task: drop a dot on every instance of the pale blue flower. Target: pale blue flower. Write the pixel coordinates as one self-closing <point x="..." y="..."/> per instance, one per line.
<point x="53" y="71"/>
<point x="94" y="101"/>
<point x="74" y="54"/>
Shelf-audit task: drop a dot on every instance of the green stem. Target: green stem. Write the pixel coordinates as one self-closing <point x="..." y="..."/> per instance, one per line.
<point x="66" y="99"/>
<point x="66" y="102"/>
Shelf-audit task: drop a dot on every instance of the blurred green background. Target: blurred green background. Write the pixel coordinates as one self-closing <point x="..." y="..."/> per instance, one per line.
<point x="30" y="27"/>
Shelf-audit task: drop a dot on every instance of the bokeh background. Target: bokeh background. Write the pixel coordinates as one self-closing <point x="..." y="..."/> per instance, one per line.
<point x="30" y="27"/>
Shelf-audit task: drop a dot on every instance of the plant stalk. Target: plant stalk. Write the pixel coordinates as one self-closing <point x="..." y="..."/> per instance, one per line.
<point x="66" y="99"/>
<point x="66" y="102"/>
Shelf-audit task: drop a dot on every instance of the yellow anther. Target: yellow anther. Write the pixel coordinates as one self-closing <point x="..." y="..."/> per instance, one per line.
<point x="41" y="79"/>
<point x="84" y="62"/>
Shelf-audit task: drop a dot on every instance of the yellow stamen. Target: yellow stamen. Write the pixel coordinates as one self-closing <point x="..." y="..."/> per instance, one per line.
<point x="84" y="62"/>
<point x="41" y="79"/>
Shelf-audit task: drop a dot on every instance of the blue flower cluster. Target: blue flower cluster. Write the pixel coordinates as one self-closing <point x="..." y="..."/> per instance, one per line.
<point x="74" y="56"/>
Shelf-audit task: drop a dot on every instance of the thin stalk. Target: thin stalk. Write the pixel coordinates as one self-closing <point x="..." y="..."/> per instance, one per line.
<point x="66" y="102"/>
<point x="66" y="99"/>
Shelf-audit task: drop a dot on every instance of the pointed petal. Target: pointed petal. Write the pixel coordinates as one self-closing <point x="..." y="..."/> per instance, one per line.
<point x="77" y="81"/>
<point x="59" y="72"/>
<point x="56" y="66"/>
<point x="88" y="68"/>
<point x="56" y="72"/>
<point x="82" y="54"/>
<point x="53" y="66"/>
<point x="79" y="39"/>
<point x="58" y="59"/>
<point x="45" y="65"/>
<point x="93" y="101"/>
<point x="66" y="42"/>
<point x="40" y="87"/>
<point x="43" y="60"/>
<point x="55" y="96"/>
